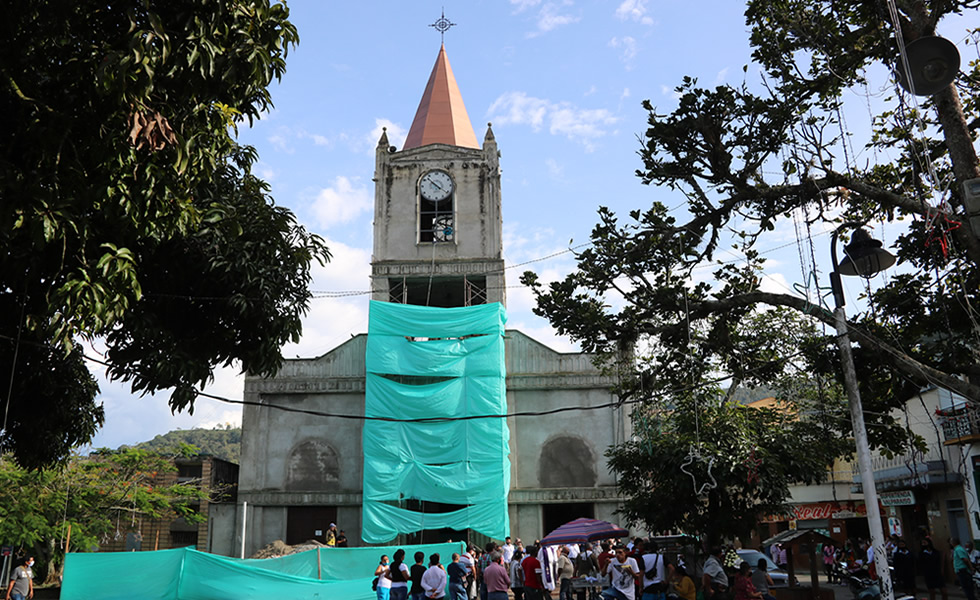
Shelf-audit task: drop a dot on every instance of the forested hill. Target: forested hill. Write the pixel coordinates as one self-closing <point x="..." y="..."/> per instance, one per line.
<point x="222" y="442"/>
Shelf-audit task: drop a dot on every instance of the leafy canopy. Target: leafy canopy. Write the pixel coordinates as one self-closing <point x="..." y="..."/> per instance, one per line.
<point x="763" y="153"/>
<point x="92" y="495"/>
<point x="131" y="213"/>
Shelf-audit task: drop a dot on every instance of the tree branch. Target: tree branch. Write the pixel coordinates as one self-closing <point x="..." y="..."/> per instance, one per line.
<point x="890" y="354"/>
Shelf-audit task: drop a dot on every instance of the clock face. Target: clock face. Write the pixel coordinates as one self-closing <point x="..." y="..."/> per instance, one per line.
<point x="436" y="186"/>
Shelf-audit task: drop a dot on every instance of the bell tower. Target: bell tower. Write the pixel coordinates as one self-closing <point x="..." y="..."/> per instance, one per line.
<point x="437" y="222"/>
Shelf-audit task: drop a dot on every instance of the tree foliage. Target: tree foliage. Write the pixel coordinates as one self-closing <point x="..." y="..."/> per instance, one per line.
<point x="768" y="152"/>
<point x="712" y="466"/>
<point x="131" y="213"/>
<point x="701" y="461"/>
<point x="96" y="496"/>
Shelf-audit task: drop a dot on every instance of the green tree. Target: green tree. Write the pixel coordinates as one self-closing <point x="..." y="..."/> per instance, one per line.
<point x="711" y="466"/>
<point x="720" y="148"/>
<point x="131" y="214"/>
<point x="750" y="156"/>
<point x="91" y="495"/>
<point x="703" y="462"/>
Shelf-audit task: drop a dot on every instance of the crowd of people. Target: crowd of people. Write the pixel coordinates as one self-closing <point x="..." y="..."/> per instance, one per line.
<point x="638" y="571"/>
<point x="857" y="559"/>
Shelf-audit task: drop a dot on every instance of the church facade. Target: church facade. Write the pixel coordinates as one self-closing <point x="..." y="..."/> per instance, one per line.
<point x="437" y="242"/>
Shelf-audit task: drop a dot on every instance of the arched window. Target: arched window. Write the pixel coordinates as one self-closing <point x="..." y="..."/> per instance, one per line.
<point x="567" y="461"/>
<point x="313" y="465"/>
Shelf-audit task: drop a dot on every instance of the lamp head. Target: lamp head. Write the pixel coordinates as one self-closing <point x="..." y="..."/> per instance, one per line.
<point x="934" y="63"/>
<point x="864" y="256"/>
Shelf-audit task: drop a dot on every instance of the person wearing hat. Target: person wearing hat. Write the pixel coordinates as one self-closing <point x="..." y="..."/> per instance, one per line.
<point x="332" y="535"/>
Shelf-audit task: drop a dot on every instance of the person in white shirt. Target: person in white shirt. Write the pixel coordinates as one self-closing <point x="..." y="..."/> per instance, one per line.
<point x="621" y="571"/>
<point x="434" y="579"/>
<point x="655" y="572"/>
<point x="507" y="550"/>
<point x="572" y="551"/>
<point x="466" y="559"/>
<point x="384" y="584"/>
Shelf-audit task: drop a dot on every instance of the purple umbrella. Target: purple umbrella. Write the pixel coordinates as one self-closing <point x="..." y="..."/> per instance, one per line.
<point x="583" y="530"/>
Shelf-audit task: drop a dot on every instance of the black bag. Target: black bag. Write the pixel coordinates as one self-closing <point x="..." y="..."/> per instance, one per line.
<point x="374" y="585"/>
<point x="654" y="588"/>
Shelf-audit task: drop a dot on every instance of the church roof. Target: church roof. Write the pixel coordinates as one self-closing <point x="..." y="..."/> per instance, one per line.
<point x="441" y="117"/>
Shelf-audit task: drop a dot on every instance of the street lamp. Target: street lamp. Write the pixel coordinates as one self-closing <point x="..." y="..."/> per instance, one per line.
<point x="864" y="258"/>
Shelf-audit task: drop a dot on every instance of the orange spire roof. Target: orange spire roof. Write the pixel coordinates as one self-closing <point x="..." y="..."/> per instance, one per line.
<point x="441" y="117"/>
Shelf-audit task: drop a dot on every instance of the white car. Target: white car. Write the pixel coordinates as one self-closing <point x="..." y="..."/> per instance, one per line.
<point x="779" y="577"/>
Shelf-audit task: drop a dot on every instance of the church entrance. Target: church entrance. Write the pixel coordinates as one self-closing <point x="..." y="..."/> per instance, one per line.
<point x="434" y="536"/>
<point x="555" y="515"/>
<point x="309" y="523"/>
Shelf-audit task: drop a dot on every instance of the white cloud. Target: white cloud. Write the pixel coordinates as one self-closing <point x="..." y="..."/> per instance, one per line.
<point x="625" y="94"/>
<point x="521" y="244"/>
<point x="265" y="172"/>
<point x="775" y="283"/>
<point x="628" y="44"/>
<point x="592" y="89"/>
<point x="518" y="108"/>
<point x="341" y="203"/>
<point x="282" y="139"/>
<point x="562" y="118"/>
<point x="555" y="170"/>
<point x="131" y="419"/>
<point x="339" y="307"/>
<point x="396" y="134"/>
<point x="522" y="5"/>
<point x="550" y="17"/>
<point x="280" y="143"/>
<point x="720" y="77"/>
<point x="634" y="10"/>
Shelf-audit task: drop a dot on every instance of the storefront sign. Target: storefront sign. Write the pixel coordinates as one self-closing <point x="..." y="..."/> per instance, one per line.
<point x="899" y="498"/>
<point x="821" y="511"/>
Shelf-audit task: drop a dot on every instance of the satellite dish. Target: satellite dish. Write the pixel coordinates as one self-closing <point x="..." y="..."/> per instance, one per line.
<point x="934" y="63"/>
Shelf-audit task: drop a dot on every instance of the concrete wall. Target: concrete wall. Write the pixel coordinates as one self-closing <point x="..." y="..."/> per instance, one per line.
<point x="539" y="379"/>
<point x="477" y="245"/>
<point x="221" y="529"/>
<point x="477" y="203"/>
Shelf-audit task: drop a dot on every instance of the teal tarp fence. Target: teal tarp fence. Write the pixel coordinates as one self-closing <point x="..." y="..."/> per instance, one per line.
<point x="430" y="363"/>
<point x="186" y="574"/>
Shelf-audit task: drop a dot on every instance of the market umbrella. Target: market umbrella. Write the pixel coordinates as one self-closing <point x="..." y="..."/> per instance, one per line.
<point x="583" y="530"/>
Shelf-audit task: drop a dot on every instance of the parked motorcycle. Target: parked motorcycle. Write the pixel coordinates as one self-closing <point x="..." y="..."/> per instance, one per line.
<point x="864" y="588"/>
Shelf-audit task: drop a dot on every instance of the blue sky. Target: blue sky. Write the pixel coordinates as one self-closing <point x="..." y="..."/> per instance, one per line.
<point x="562" y="83"/>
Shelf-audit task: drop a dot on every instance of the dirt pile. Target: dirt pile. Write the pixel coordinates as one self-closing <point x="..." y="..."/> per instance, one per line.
<point x="280" y="548"/>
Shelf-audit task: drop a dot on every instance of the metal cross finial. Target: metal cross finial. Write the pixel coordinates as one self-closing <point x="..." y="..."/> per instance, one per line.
<point x="442" y="25"/>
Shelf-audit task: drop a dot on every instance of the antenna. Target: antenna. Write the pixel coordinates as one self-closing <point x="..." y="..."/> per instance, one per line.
<point x="442" y="25"/>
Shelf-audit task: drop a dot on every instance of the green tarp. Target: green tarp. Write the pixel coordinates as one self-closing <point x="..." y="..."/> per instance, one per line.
<point x="430" y="363"/>
<point x="186" y="574"/>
